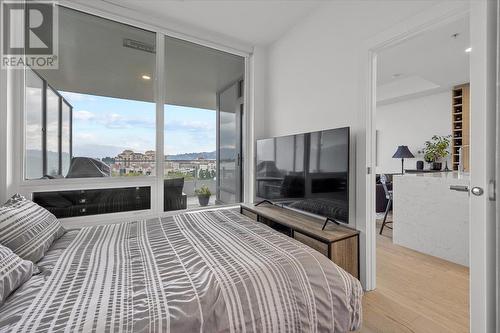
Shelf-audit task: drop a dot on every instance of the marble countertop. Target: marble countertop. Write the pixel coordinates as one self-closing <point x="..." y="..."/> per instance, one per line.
<point x="431" y="218"/>
<point x="437" y="176"/>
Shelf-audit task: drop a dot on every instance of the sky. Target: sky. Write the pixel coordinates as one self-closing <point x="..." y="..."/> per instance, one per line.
<point x="105" y="126"/>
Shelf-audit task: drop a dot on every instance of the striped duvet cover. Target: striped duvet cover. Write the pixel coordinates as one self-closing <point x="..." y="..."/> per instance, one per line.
<point x="211" y="271"/>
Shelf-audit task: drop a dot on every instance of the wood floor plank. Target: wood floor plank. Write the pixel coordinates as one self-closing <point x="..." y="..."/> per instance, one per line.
<point x="415" y="293"/>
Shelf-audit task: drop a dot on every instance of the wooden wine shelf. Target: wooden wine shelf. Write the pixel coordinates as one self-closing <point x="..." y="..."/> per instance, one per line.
<point x="461" y="109"/>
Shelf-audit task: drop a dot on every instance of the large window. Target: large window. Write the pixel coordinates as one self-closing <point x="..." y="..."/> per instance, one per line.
<point x="98" y="111"/>
<point x="96" y="115"/>
<point x="118" y="132"/>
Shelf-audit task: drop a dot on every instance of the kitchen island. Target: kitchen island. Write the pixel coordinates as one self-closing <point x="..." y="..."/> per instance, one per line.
<point x="431" y="218"/>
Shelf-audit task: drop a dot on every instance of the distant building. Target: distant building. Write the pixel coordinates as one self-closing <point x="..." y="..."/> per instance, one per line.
<point x="131" y="162"/>
<point x="131" y="156"/>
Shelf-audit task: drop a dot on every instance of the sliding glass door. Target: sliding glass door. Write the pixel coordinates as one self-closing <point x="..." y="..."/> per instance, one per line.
<point x="229" y="143"/>
<point x="202" y="130"/>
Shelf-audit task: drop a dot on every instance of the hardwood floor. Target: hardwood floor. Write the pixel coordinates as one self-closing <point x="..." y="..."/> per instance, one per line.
<point x="415" y="292"/>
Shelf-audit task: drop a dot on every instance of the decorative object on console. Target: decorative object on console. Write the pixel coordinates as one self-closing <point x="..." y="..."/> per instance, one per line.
<point x="403" y="152"/>
<point x="420" y="165"/>
<point x="203" y="194"/>
<point x="436" y="149"/>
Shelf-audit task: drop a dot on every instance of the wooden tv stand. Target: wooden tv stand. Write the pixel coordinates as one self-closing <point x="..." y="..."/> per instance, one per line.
<point x="338" y="243"/>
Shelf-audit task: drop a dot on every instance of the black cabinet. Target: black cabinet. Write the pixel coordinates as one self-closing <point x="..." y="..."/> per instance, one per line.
<point x="94" y="201"/>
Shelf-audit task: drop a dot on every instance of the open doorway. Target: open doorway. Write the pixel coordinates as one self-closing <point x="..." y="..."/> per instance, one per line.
<point x="421" y="191"/>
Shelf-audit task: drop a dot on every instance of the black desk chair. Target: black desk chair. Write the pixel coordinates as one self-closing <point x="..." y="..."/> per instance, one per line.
<point x="388" y="195"/>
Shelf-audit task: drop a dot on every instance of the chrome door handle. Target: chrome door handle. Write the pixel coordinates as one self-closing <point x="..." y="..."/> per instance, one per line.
<point x="477" y="191"/>
<point x="459" y="188"/>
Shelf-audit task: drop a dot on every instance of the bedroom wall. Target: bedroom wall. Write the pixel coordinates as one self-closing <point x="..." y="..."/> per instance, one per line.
<point x="410" y="122"/>
<point x="259" y="80"/>
<point x="315" y="82"/>
<point x="313" y="69"/>
<point x="313" y="73"/>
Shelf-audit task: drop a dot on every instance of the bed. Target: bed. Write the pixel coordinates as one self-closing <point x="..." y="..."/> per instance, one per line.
<point x="209" y="271"/>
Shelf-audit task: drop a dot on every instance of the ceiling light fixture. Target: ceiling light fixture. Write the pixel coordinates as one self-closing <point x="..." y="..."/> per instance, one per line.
<point x="396" y="75"/>
<point x="468" y="50"/>
<point x="146" y="77"/>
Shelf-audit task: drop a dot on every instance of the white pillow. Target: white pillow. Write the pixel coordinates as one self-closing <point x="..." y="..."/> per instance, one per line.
<point x="27" y="228"/>
<point x="14" y="271"/>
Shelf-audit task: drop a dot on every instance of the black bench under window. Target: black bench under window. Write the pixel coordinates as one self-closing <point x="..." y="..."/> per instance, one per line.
<point x="94" y="201"/>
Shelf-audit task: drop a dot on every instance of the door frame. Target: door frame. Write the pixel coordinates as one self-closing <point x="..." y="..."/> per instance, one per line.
<point x="240" y="121"/>
<point x="435" y="16"/>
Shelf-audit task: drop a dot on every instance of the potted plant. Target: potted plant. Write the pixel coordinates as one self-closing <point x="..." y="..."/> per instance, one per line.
<point x="436" y="149"/>
<point x="203" y="194"/>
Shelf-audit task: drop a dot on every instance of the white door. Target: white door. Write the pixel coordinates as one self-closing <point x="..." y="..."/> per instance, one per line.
<point x="498" y="166"/>
<point x="482" y="157"/>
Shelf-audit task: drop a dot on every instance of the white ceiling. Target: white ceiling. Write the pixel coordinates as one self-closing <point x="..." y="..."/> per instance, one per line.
<point x="254" y="22"/>
<point x="430" y="62"/>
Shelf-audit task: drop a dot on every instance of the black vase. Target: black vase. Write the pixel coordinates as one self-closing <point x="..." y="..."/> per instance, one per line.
<point x="203" y="200"/>
<point x="436" y="166"/>
<point x="420" y="165"/>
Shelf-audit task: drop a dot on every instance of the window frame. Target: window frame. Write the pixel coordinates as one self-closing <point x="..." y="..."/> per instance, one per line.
<point x="28" y="186"/>
<point x="70" y="110"/>
<point x="60" y="100"/>
<point x="45" y="117"/>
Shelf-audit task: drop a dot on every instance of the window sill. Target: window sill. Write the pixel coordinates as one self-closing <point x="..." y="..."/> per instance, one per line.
<point x="77" y="183"/>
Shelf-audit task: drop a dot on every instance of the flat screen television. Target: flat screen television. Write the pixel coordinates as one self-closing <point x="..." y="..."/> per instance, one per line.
<point x="307" y="172"/>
